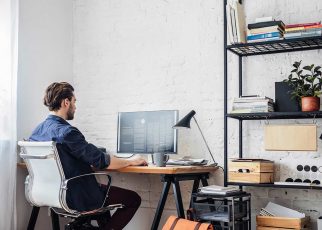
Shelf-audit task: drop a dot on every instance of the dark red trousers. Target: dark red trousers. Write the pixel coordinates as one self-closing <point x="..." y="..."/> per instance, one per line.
<point x="122" y="216"/>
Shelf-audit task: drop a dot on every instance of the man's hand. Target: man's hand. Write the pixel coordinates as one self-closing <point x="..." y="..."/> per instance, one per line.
<point x="137" y="160"/>
<point x="117" y="163"/>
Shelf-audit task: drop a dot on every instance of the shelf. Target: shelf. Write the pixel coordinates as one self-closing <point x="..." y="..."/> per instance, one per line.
<point x="275" y="115"/>
<point x="280" y="46"/>
<point x="275" y="185"/>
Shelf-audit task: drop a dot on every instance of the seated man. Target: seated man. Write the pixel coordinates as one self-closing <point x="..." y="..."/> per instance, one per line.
<point x="77" y="157"/>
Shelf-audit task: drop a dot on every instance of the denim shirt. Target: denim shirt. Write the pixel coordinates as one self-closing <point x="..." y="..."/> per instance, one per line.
<point x="77" y="156"/>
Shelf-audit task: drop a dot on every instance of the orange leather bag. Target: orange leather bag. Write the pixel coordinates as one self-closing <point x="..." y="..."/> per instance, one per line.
<point x="176" y="223"/>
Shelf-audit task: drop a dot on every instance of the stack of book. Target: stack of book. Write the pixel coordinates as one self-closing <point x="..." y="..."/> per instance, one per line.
<point x="303" y="30"/>
<point x="253" y="104"/>
<point x="219" y="190"/>
<point x="265" y="31"/>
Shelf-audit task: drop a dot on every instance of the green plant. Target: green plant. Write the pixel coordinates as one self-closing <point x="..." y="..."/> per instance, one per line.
<point x="306" y="81"/>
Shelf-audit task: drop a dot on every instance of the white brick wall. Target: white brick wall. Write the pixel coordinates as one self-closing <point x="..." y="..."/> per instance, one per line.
<point x="132" y="55"/>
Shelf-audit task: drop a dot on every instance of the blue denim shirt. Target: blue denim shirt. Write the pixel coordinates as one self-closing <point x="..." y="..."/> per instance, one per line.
<point x="77" y="156"/>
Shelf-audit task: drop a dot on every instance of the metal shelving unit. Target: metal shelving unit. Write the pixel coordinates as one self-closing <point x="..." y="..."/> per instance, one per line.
<point x="276" y="185"/>
<point x="275" y="115"/>
<point x="261" y="48"/>
<point x="280" y="46"/>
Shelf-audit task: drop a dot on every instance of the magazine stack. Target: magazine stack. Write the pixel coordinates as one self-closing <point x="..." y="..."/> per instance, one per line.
<point x="253" y="104"/>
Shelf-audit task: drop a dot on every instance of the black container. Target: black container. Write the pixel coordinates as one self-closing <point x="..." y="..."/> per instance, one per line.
<point x="283" y="100"/>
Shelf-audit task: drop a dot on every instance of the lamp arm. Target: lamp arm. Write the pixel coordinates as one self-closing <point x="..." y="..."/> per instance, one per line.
<point x="204" y="140"/>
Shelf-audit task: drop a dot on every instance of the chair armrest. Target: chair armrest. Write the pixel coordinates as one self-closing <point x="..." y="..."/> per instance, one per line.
<point x="64" y="186"/>
<point x="30" y="156"/>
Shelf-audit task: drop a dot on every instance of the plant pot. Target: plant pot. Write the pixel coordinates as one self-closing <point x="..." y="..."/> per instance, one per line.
<point x="310" y="104"/>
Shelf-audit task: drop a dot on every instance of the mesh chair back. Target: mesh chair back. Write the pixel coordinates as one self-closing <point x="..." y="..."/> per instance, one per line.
<point x="46" y="177"/>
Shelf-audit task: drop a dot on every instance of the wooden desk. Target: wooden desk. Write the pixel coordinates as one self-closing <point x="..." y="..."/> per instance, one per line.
<point x="169" y="175"/>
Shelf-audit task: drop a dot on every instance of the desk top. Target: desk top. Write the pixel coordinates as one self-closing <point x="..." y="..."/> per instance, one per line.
<point x="157" y="170"/>
<point x="165" y="170"/>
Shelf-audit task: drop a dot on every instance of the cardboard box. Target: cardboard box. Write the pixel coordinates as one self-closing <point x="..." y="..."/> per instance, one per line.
<point x="272" y="222"/>
<point x="253" y="171"/>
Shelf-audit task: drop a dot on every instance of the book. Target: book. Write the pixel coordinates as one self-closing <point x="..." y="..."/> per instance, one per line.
<point x="266" y="24"/>
<point x="229" y="25"/>
<point x="262" y="30"/>
<point x="265" y="35"/>
<point x="240" y="22"/>
<point x="302" y="24"/>
<point x="249" y="160"/>
<point x="304" y="29"/>
<point x="264" y="110"/>
<point x="233" y="23"/>
<point x="303" y="34"/>
<point x="252" y="98"/>
<point x="266" y="39"/>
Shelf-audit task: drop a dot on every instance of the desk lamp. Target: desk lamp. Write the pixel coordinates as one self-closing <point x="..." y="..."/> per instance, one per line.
<point x="185" y="123"/>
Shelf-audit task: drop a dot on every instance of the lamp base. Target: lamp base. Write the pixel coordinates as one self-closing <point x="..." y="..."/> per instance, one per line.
<point x="213" y="164"/>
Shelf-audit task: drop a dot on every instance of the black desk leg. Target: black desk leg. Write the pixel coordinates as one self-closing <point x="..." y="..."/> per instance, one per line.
<point x="158" y="212"/>
<point x="204" y="181"/>
<point x="54" y="220"/>
<point x="33" y="218"/>
<point x="195" y="187"/>
<point x="178" y="199"/>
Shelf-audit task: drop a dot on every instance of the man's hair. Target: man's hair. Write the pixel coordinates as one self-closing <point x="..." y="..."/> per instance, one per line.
<point x="56" y="93"/>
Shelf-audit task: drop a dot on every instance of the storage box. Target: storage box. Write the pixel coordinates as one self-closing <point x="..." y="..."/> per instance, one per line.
<point x="280" y="223"/>
<point x="253" y="171"/>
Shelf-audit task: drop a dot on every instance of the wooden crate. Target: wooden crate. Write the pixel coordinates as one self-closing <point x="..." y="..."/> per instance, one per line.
<point x="280" y="223"/>
<point x="257" y="171"/>
<point x="251" y="177"/>
<point x="253" y="166"/>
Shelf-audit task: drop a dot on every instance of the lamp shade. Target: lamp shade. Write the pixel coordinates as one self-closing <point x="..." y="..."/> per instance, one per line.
<point x="185" y="122"/>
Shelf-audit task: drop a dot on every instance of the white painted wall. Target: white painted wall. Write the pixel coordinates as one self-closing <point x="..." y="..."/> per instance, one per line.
<point x="45" y="56"/>
<point x="132" y="55"/>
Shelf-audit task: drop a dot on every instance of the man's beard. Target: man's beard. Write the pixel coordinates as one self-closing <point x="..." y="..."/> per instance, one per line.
<point x="70" y="114"/>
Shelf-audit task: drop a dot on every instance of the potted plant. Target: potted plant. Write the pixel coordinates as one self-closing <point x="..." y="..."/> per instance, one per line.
<point x="306" y="85"/>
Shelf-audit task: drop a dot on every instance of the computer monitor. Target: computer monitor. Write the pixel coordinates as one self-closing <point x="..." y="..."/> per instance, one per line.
<point x="147" y="132"/>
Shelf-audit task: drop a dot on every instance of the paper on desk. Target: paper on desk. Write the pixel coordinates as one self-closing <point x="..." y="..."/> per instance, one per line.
<point x="280" y="211"/>
<point x="187" y="161"/>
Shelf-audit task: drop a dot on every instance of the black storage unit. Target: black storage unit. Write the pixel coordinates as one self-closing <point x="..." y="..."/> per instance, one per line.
<point x="253" y="49"/>
<point x="226" y="212"/>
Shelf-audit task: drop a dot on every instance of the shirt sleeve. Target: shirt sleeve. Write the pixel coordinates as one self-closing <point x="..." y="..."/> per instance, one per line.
<point x="84" y="151"/>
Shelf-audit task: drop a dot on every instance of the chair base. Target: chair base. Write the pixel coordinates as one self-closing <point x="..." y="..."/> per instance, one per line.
<point x="81" y="220"/>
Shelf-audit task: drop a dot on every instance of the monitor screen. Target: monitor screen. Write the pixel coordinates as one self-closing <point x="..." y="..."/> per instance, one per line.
<point x="147" y="132"/>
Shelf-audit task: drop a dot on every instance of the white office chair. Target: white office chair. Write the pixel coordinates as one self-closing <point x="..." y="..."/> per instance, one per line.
<point x="46" y="185"/>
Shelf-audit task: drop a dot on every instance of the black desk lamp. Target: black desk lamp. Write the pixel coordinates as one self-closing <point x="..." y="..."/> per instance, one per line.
<point x="185" y="123"/>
